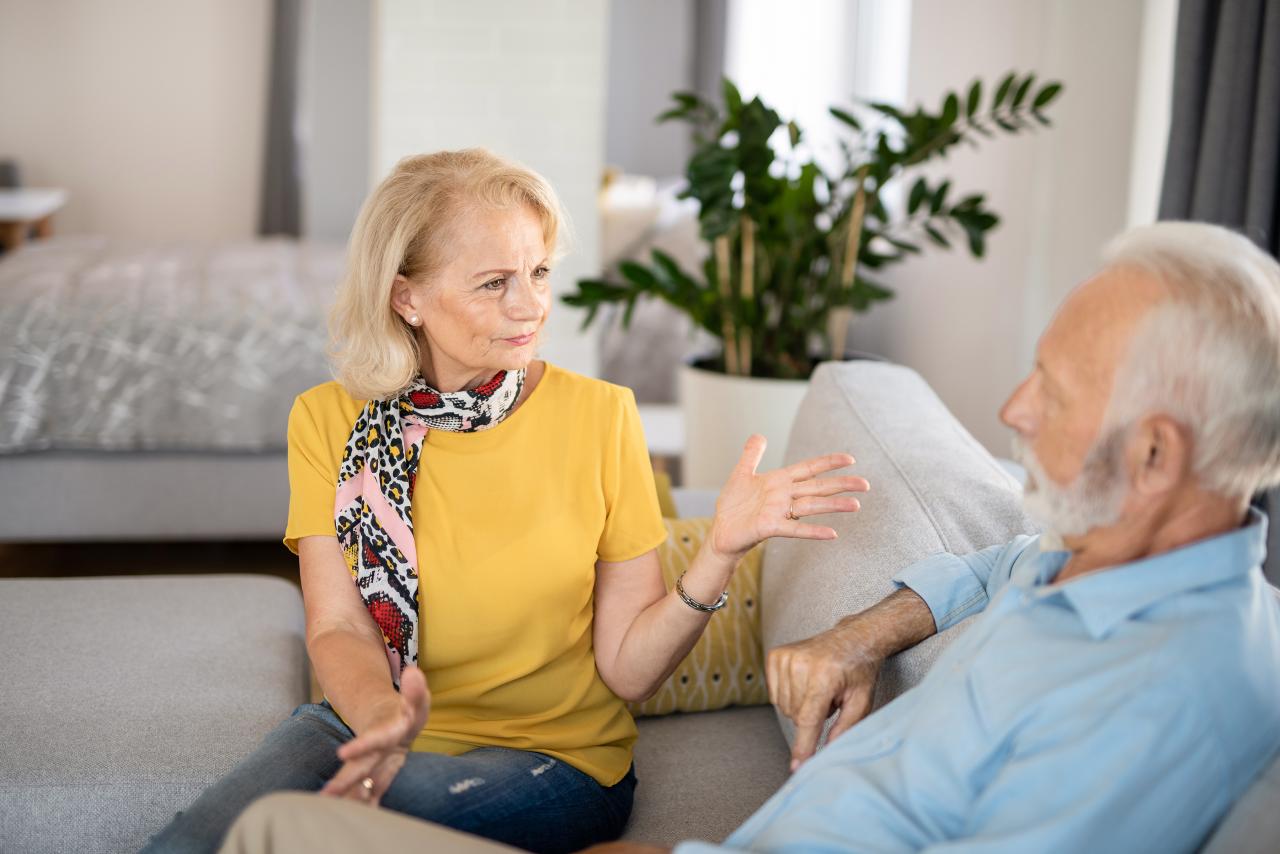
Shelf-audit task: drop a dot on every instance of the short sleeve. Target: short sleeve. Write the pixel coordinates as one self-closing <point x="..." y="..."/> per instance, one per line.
<point x="633" y="519"/>
<point x="313" y="479"/>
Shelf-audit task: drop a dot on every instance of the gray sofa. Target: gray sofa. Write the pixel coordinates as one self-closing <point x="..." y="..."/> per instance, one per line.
<point x="124" y="697"/>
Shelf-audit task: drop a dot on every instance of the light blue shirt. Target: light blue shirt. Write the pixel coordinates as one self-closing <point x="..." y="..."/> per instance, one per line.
<point x="1124" y="710"/>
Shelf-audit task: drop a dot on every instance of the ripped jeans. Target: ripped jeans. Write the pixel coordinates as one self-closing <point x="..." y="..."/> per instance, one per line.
<point x="519" y="797"/>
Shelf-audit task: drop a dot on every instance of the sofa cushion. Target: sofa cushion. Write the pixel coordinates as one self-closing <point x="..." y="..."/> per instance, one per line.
<point x="726" y="665"/>
<point x="125" y="698"/>
<point x="933" y="489"/>
<point x="701" y="775"/>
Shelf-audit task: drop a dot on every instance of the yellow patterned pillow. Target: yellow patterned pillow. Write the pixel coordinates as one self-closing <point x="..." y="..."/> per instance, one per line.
<point x="726" y="666"/>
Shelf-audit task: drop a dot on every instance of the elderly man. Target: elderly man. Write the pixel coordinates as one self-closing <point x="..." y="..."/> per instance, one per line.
<point x="1121" y="686"/>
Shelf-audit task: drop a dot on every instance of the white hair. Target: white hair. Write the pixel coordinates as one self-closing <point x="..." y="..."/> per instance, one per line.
<point x="1209" y="356"/>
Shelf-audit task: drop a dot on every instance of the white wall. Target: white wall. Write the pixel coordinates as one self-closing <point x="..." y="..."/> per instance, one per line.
<point x="525" y="80"/>
<point x="150" y="112"/>
<point x="968" y="326"/>
<point x="650" y="55"/>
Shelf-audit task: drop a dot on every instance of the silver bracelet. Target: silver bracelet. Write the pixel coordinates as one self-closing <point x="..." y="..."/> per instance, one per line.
<point x="695" y="604"/>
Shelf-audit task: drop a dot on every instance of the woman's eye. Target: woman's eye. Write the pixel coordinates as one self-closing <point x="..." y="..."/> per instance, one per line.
<point x="542" y="272"/>
<point x="495" y="284"/>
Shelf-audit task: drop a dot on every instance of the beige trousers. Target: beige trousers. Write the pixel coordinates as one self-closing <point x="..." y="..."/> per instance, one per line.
<point x="300" y="823"/>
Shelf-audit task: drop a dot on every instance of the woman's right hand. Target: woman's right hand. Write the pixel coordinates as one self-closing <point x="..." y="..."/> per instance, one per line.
<point x="377" y="754"/>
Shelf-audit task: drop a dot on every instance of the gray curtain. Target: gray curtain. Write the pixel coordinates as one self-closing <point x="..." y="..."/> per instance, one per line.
<point x="710" y="23"/>
<point x="281" y="208"/>
<point x="1223" y="162"/>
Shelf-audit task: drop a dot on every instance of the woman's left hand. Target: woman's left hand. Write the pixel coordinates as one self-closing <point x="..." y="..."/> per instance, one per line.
<point x="753" y="506"/>
<point x="371" y="760"/>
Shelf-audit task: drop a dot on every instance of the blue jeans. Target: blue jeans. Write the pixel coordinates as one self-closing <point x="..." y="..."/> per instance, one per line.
<point x="518" y="797"/>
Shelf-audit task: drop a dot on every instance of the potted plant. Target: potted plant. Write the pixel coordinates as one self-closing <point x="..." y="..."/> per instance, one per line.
<point x="794" y="251"/>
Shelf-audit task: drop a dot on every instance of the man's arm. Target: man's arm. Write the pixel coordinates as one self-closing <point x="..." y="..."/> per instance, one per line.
<point x="838" y="668"/>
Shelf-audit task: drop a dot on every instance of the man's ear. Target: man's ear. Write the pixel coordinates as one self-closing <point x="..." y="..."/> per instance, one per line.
<point x="1158" y="455"/>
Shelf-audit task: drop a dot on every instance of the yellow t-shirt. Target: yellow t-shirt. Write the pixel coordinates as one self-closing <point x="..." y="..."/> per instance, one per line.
<point x="509" y="523"/>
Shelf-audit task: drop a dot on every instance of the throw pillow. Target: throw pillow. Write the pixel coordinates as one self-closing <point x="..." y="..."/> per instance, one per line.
<point x="726" y="666"/>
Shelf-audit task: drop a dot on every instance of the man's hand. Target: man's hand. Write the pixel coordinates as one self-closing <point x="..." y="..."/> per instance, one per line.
<point x="811" y="679"/>
<point x="377" y="754"/>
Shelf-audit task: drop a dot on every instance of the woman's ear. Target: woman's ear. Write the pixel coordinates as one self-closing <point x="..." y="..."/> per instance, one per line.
<point x="402" y="301"/>
<point x="1159" y="455"/>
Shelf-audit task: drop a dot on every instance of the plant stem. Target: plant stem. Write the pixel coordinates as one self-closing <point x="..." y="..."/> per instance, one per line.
<point x="726" y="302"/>
<point x="748" y="286"/>
<point x="842" y="313"/>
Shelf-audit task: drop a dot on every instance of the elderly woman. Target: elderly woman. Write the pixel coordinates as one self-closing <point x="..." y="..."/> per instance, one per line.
<point x="475" y="520"/>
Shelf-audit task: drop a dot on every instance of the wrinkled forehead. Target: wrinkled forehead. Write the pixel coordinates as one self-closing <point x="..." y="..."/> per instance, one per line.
<point x="1092" y="329"/>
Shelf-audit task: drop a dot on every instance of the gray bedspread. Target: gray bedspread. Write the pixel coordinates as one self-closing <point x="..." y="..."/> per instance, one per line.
<point x="113" y="346"/>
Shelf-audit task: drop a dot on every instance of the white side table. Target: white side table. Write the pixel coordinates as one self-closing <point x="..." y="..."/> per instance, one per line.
<point x="664" y="431"/>
<point x="21" y="210"/>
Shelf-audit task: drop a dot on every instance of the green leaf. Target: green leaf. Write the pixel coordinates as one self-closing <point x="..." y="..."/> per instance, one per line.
<point x="845" y="117"/>
<point x="687" y="99"/>
<point x="937" y="237"/>
<point x="673" y="113"/>
<point x="732" y="97"/>
<point x="977" y="242"/>
<point x="1045" y="95"/>
<point x="793" y="133"/>
<point x="637" y="273"/>
<point x="1023" y="88"/>
<point x="975" y="99"/>
<point x="918" y="192"/>
<point x="1002" y="90"/>
<point x="1041" y="118"/>
<point x="939" y="197"/>
<point x="1005" y="123"/>
<point x="950" y="109"/>
<point x="903" y="245"/>
<point x="887" y="109"/>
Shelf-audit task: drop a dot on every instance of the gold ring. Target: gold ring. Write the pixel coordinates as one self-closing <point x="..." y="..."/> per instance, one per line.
<point x="791" y="512"/>
<point x="367" y="784"/>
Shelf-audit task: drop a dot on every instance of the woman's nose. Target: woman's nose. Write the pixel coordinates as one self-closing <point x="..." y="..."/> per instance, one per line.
<point x="523" y="302"/>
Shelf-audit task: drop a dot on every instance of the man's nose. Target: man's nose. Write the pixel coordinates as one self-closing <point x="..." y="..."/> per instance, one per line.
<point x="1018" y="413"/>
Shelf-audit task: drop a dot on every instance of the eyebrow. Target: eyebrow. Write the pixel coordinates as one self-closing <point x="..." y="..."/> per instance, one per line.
<point x="1048" y="376"/>
<point x="508" y="270"/>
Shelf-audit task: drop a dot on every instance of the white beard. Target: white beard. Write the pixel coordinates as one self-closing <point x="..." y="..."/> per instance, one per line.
<point x="1093" y="500"/>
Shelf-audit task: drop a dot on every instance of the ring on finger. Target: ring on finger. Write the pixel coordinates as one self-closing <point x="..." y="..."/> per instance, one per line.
<point x="367" y="786"/>
<point x="791" y="512"/>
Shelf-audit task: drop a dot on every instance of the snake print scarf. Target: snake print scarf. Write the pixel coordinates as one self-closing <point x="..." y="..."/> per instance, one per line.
<point x="375" y="486"/>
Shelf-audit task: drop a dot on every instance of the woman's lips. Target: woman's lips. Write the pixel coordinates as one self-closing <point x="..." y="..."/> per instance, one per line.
<point x="521" y="341"/>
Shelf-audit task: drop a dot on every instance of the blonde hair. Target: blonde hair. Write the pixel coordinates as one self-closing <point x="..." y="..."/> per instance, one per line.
<point x="404" y="229"/>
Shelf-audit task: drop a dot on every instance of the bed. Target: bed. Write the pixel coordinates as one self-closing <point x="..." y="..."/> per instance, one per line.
<point x="145" y="388"/>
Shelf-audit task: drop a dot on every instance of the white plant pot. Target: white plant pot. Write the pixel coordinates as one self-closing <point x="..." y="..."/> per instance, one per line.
<point x="721" y="411"/>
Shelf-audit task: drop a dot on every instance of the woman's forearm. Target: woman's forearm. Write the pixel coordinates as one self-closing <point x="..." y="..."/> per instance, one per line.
<point x="662" y="635"/>
<point x="353" y="673"/>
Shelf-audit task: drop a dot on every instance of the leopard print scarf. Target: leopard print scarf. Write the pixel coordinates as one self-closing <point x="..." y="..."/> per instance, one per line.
<point x="375" y="486"/>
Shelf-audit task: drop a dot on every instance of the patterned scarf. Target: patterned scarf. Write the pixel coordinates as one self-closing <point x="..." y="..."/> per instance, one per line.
<point x="375" y="485"/>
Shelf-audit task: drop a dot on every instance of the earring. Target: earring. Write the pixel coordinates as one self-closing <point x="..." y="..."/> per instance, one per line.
<point x="414" y="320"/>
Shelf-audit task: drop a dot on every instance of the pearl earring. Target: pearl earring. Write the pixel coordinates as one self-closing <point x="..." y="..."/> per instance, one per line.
<point x="414" y="319"/>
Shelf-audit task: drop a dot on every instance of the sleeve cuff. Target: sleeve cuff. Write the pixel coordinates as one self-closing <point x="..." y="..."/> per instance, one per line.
<point x="947" y="585"/>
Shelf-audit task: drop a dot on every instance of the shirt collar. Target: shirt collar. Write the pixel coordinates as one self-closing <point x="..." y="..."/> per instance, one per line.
<point x="1105" y="599"/>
